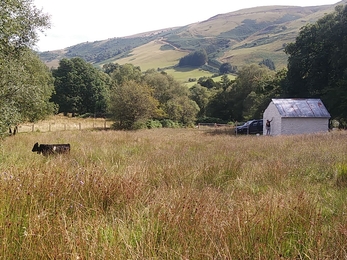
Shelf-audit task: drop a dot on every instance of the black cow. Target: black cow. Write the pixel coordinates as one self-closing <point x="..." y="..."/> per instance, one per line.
<point x="50" y="149"/>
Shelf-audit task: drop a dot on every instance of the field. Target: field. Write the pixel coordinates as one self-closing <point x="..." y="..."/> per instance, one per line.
<point x="174" y="194"/>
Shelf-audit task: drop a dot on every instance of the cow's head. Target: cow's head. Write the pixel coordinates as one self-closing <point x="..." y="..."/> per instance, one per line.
<point x="36" y="148"/>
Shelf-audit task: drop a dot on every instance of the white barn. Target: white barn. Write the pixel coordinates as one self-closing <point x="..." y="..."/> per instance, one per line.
<point x="296" y="116"/>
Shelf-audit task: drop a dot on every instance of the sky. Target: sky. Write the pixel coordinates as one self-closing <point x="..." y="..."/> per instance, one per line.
<point x="77" y="21"/>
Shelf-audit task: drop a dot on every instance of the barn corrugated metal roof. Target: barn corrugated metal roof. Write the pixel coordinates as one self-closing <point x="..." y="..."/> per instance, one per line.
<point x="291" y="107"/>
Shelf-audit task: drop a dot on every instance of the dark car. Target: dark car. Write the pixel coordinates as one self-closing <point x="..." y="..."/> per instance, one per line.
<point x="251" y="127"/>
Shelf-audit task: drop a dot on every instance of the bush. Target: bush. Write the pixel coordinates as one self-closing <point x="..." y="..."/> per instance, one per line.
<point x="129" y="125"/>
<point x="153" y="124"/>
<point x="167" y="123"/>
<point x="139" y="125"/>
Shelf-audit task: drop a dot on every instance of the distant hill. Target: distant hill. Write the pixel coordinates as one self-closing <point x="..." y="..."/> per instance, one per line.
<point x="241" y="37"/>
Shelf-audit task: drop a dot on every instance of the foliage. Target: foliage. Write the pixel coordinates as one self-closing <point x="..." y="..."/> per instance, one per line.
<point x="207" y="82"/>
<point x="244" y="91"/>
<point x="246" y="97"/>
<point x="268" y="63"/>
<point x="182" y="109"/>
<point x="318" y="60"/>
<point x="164" y="86"/>
<point x="269" y="87"/>
<point x="226" y="68"/>
<point x="25" y="82"/>
<point x="27" y="86"/>
<point x="168" y="123"/>
<point x="165" y="97"/>
<point x="221" y="106"/>
<point x="225" y="82"/>
<point x="154" y="124"/>
<point x="20" y="23"/>
<point x="123" y="73"/>
<point x="80" y="88"/>
<point x="195" y="59"/>
<point x="173" y="97"/>
<point x="114" y="47"/>
<point x="201" y="95"/>
<point x="132" y="104"/>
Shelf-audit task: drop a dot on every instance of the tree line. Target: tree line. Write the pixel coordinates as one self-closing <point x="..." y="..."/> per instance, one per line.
<point x="317" y="67"/>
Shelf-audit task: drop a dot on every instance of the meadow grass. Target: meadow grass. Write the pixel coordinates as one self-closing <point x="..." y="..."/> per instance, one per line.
<point x="174" y="194"/>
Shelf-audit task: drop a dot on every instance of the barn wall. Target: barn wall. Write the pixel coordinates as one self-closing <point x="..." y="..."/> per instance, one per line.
<point x="304" y="125"/>
<point x="269" y="113"/>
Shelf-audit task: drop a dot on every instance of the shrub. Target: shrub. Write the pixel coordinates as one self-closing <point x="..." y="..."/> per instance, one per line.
<point x="167" y="123"/>
<point x="153" y="124"/>
<point x="140" y="124"/>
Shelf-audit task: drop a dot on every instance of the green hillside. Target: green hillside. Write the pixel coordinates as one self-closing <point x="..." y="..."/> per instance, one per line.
<point x="240" y="38"/>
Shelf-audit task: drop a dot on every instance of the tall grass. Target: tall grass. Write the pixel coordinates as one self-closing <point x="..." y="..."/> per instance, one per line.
<point x="174" y="194"/>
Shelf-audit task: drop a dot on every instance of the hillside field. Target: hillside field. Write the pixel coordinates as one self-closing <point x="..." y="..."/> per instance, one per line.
<point x="174" y="194"/>
<point x="151" y="56"/>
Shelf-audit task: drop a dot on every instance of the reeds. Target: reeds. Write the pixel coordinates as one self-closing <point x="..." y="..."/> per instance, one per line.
<point x="174" y="194"/>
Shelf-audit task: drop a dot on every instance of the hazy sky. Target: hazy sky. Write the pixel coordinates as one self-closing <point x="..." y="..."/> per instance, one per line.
<point x="77" y="21"/>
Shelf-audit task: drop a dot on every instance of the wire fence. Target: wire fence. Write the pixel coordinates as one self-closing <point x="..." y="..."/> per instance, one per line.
<point x="63" y="126"/>
<point x="101" y="124"/>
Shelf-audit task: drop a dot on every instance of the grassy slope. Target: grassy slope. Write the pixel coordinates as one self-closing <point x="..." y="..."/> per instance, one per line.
<point x="258" y="48"/>
<point x="151" y="56"/>
<point x="174" y="194"/>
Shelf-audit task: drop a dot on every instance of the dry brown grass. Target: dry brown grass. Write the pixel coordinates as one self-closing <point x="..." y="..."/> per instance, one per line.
<point x="62" y="123"/>
<point x="174" y="194"/>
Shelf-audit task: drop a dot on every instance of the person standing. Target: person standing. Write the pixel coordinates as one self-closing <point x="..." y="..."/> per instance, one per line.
<point x="268" y="126"/>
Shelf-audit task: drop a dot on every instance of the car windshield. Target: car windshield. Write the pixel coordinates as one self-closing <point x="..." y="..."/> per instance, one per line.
<point x="248" y="122"/>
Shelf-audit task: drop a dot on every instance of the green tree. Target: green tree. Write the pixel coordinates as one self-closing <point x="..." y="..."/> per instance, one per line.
<point x="195" y="59"/>
<point x="220" y="106"/>
<point x="123" y="73"/>
<point x="80" y="88"/>
<point x="220" y="102"/>
<point x="226" y="68"/>
<point x="25" y="83"/>
<point x="172" y="97"/>
<point x="132" y="104"/>
<point x="207" y="82"/>
<point x="245" y="97"/>
<point x="244" y="91"/>
<point x="201" y="96"/>
<point x="164" y="89"/>
<point x="225" y="82"/>
<point x="317" y="62"/>
<point x="182" y="109"/>
<point x="26" y="87"/>
<point x="20" y="23"/>
<point x="268" y="87"/>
